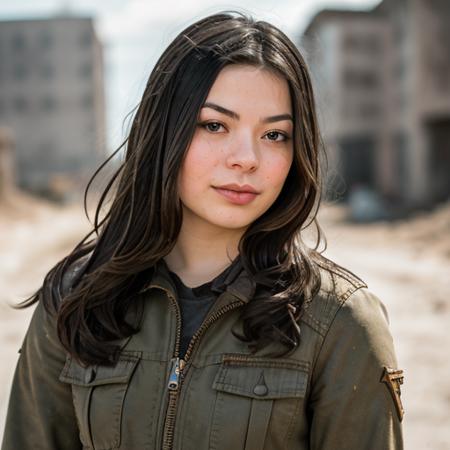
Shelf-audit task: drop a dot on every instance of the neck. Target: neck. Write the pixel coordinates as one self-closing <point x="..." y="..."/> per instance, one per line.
<point x="202" y="252"/>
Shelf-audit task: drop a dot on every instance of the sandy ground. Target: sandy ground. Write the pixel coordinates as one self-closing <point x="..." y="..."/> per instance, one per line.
<point x="406" y="265"/>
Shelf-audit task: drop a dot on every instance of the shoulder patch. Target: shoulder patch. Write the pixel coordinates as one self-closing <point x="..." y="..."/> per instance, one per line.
<point x="393" y="379"/>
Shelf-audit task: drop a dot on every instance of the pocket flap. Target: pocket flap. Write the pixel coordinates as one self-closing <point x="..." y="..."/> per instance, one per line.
<point x="76" y="374"/>
<point x="262" y="378"/>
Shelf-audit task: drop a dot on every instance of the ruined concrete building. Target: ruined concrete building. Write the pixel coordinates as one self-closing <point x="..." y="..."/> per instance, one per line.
<point x="52" y="97"/>
<point x="383" y="83"/>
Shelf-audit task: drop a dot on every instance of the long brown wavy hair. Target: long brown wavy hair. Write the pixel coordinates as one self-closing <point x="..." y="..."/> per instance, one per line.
<point x="144" y="215"/>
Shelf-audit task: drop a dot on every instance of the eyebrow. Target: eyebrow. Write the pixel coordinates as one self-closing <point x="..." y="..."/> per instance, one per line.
<point x="235" y="115"/>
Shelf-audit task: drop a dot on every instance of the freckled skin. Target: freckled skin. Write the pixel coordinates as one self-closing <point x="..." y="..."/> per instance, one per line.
<point x="238" y="150"/>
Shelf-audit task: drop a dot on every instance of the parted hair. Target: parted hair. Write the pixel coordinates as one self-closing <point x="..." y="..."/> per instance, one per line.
<point x="143" y="210"/>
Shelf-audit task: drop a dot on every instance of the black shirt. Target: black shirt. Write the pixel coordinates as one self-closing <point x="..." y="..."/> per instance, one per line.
<point x="195" y="302"/>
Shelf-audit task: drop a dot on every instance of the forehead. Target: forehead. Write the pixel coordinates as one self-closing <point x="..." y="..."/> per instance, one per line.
<point x="240" y="83"/>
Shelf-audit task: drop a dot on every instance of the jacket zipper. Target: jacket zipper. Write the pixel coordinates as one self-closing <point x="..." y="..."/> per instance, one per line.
<point x="178" y="371"/>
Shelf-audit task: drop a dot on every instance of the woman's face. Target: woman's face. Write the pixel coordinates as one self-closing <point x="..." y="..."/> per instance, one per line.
<point x="244" y="139"/>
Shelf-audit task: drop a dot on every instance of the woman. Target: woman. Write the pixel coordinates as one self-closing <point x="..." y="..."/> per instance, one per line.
<point x="194" y="316"/>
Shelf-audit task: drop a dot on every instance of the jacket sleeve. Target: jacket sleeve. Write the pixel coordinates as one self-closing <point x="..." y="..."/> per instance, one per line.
<point x="355" y="404"/>
<point x="40" y="412"/>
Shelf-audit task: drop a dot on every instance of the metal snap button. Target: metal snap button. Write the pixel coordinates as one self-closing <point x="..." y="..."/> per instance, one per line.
<point x="260" y="389"/>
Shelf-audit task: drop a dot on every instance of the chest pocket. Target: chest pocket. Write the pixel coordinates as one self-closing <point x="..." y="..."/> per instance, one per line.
<point x="257" y="402"/>
<point x="98" y="395"/>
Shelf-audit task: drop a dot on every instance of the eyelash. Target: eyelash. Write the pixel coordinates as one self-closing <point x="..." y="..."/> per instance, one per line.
<point x="205" y="126"/>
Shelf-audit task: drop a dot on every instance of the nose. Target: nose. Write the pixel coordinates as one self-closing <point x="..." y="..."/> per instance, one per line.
<point x="243" y="153"/>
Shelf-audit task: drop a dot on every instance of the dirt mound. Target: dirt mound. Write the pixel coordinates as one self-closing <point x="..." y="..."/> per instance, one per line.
<point x="425" y="233"/>
<point x="19" y="205"/>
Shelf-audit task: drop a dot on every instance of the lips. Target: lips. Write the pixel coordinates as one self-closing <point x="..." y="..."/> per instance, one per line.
<point x="239" y="195"/>
<point x="235" y="187"/>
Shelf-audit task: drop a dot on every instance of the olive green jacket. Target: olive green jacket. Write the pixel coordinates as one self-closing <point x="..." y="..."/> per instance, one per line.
<point x="339" y="390"/>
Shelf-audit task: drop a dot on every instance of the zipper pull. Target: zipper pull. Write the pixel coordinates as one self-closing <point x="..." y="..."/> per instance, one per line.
<point x="175" y="372"/>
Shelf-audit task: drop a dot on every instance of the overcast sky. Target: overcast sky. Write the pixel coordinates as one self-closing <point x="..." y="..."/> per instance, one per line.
<point x="135" y="32"/>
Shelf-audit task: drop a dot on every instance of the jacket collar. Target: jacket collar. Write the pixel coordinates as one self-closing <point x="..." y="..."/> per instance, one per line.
<point x="236" y="281"/>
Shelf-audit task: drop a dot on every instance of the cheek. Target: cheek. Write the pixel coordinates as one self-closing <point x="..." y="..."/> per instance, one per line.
<point x="276" y="171"/>
<point x="197" y="168"/>
<point x="199" y="160"/>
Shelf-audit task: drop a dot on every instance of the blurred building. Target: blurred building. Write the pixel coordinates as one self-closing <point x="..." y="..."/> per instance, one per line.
<point x="52" y="97"/>
<point x="382" y="80"/>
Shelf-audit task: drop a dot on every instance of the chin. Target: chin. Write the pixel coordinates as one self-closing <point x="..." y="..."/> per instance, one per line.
<point x="233" y="224"/>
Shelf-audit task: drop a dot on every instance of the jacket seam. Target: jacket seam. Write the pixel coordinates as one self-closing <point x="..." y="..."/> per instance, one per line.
<point x="232" y="388"/>
<point x="341" y="300"/>
<point x="355" y="282"/>
<point x="344" y="273"/>
<point x="316" y="325"/>
<point x="294" y="417"/>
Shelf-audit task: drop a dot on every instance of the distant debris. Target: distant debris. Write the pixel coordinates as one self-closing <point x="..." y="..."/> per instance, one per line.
<point x="365" y="205"/>
<point x="6" y="162"/>
<point x="14" y="203"/>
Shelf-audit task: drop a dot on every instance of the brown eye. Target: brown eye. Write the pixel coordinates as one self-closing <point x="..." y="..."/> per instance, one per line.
<point x="211" y="126"/>
<point x="274" y="135"/>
